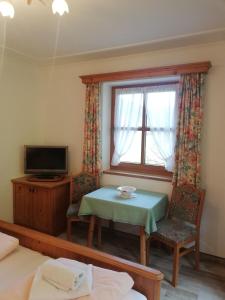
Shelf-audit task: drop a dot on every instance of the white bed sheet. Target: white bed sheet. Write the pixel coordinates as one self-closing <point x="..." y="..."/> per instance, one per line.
<point x="24" y="261"/>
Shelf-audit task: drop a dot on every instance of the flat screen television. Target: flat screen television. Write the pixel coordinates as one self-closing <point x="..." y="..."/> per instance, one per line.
<point x="45" y="161"/>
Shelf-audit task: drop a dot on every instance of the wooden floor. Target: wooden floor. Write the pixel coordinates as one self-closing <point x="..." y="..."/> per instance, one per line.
<point x="208" y="284"/>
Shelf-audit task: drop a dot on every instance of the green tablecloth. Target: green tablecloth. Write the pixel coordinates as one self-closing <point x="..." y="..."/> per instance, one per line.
<point x="145" y="209"/>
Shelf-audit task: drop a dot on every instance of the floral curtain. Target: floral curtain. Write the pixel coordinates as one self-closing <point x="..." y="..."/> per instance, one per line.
<point x="187" y="150"/>
<point x="92" y="128"/>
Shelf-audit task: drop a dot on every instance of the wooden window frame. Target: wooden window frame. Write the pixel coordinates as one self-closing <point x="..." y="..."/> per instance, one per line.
<point x="133" y="167"/>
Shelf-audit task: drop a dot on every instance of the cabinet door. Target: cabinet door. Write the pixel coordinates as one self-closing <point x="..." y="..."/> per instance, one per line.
<point x="22" y="205"/>
<point x="60" y="206"/>
<point x="42" y="210"/>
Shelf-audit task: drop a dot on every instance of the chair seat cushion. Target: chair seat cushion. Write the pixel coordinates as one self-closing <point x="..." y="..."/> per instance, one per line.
<point x="73" y="209"/>
<point x="175" y="230"/>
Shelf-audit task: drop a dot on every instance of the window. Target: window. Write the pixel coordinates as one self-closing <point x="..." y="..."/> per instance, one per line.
<point x="143" y="123"/>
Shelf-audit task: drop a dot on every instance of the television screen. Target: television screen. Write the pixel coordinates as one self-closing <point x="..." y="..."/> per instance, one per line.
<point x="46" y="160"/>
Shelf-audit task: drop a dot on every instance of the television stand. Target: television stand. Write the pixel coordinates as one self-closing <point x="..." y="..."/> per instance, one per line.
<point x="44" y="178"/>
<point x="41" y="205"/>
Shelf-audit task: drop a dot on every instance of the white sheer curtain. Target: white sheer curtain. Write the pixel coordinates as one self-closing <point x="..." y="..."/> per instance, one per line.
<point x="161" y="111"/>
<point x="127" y="119"/>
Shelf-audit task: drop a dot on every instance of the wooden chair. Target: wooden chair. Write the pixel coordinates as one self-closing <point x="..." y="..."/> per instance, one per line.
<point x="182" y="225"/>
<point x="80" y="185"/>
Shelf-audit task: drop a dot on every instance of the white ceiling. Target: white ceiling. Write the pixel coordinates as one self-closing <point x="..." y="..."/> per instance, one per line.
<point x="101" y="25"/>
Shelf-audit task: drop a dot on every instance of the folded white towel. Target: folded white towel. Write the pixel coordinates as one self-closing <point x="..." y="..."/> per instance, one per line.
<point x="42" y="290"/>
<point x="7" y="244"/>
<point x="61" y="276"/>
<point x="107" y="284"/>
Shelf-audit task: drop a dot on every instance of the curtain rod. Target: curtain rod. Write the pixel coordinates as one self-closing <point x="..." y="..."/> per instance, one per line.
<point x="198" y="67"/>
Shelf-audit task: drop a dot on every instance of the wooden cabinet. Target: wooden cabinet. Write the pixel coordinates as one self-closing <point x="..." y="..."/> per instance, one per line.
<point x="41" y="205"/>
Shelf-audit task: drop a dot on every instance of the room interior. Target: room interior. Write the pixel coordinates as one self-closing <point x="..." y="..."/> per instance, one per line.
<point x="43" y="99"/>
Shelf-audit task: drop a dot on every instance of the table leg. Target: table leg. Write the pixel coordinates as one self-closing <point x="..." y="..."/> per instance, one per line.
<point x="142" y="246"/>
<point x="91" y="231"/>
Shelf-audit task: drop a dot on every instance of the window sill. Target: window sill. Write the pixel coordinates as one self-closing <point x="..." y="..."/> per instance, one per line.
<point x="165" y="178"/>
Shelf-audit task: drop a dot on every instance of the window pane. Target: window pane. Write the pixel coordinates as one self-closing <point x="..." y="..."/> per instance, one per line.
<point x="161" y="109"/>
<point x="152" y="156"/>
<point x="129" y="109"/>
<point x="133" y="155"/>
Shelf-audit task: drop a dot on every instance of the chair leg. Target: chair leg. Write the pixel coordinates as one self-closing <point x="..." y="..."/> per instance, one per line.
<point x="111" y="225"/>
<point x="176" y="261"/>
<point x="91" y="231"/>
<point x="197" y="255"/>
<point x="69" y="229"/>
<point x="99" y="234"/>
<point x="148" y="245"/>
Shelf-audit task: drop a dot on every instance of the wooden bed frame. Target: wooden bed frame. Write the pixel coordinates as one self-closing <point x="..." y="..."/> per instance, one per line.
<point x="146" y="280"/>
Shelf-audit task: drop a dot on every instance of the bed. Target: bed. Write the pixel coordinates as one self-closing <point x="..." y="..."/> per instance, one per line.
<point x="146" y="280"/>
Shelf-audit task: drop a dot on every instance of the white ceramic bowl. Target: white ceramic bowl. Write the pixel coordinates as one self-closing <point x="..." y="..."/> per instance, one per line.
<point x="126" y="189"/>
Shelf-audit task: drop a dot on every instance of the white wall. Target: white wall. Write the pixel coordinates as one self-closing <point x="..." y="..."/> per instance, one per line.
<point x="19" y="122"/>
<point x="64" y="122"/>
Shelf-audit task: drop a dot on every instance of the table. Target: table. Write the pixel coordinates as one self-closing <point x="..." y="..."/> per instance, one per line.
<point x="144" y="211"/>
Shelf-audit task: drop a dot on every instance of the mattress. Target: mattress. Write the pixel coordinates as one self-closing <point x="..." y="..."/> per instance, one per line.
<point x="24" y="261"/>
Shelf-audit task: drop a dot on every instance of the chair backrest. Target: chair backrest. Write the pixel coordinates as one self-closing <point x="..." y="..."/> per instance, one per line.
<point x="187" y="204"/>
<point x="80" y="185"/>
